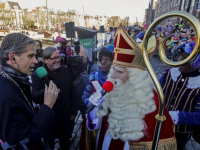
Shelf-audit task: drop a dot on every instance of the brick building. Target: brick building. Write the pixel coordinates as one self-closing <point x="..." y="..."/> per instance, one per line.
<point x="150" y="13"/>
<point x="164" y="6"/>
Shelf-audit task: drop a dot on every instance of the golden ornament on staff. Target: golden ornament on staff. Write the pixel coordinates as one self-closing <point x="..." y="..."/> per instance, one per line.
<point x="195" y="23"/>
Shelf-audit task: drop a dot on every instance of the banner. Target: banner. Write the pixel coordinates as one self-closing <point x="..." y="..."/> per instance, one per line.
<point x="88" y="43"/>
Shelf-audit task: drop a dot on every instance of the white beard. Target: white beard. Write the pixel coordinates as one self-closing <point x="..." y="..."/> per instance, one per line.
<point x="129" y="103"/>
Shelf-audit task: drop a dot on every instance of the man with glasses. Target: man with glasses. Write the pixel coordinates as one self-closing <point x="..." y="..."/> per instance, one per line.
<point x="66" y="106"/>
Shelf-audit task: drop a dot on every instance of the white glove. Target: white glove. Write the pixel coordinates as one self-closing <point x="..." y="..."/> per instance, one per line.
<point x="174" y="116"/>
<point x="96" y="98"/>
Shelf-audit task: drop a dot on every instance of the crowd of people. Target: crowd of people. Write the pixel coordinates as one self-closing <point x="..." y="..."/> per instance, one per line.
<point x="122" y="119"/>
<point x="179" y="33"/>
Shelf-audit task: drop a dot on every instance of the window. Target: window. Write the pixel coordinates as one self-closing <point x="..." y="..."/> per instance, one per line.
<point x="198" y="5"/>
<point x="182" y="6"/>
<point x="15" y="7"/>
<point x="186" y="4"/>
<point x="192" y="6"/>
<point x="177" y="2"/>
<point x="13" y="14"/>
<point x="172" y="4"/>
<point x="169" y="6"/>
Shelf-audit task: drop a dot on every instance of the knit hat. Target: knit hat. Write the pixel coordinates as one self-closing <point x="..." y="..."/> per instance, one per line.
<point x="183" y="40"/>
<point x="140" y="35"/>
<point x="188" y="49"/>
<point x="110" y="48"/>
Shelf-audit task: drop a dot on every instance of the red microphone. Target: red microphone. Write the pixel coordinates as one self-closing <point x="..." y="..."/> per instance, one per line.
<point x="107" y="87"/>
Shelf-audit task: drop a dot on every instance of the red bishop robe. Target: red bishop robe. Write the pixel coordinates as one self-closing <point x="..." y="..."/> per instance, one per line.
<point x="167" y="139"/>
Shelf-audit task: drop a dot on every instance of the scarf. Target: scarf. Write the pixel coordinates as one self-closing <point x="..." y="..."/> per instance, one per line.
<point x="14" y="74"/>
<point x="102" y="77"/>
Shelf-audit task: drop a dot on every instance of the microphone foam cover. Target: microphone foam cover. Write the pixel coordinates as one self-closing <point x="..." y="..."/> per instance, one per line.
<point x="41" y="72"/>
<point x="108" y="86"/>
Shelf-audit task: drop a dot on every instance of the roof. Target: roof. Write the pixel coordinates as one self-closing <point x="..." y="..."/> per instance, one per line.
<point x="12" y="4"/>
<point x="33" y="11"/>
<point x="84" y="33"/>
<point x="2" y="5"/>
<point x="37" y="8"/>
<point x="85" y="29"/>
<point x="25" y="9"/>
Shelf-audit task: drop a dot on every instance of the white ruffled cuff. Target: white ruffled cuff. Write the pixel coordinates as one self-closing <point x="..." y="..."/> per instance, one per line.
<point x="174" y="116"/>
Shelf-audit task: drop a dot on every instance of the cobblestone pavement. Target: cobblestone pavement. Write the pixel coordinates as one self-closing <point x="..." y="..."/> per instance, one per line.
<point x="159" y="69"/>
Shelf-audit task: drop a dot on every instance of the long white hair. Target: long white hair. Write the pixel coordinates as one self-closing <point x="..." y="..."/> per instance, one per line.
<point x="128" y="104"/>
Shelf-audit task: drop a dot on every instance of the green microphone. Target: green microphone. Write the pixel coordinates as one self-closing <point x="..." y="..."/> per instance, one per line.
<point x="42" y="73"/>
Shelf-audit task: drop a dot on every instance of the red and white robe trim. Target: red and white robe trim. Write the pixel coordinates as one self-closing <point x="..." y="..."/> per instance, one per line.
<point x="110" y="144"/>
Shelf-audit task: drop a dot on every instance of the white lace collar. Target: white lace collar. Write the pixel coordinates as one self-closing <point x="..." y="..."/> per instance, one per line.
<point x="193" y="82"/>
<point x="175" y="73"/>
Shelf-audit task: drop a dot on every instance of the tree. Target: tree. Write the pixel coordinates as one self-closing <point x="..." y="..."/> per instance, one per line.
<point x="28" y="21"/>
<point x="60" y="17"/>
<point x="41" y="18"/>
<point x="6" y="17"/>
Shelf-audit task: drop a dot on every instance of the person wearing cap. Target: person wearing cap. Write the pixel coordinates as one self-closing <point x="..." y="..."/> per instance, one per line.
<point x="65" y="51"/>
<point x="183" y="41"/>
<point x="125" y="117"/>
<point x="57" y="44"/>
<point x="139" y="37"/>
<point x="181" y="87"/>
<point x="172" y="46"/>
<point x="193" y="37"/>
<point x="105" y="59"/>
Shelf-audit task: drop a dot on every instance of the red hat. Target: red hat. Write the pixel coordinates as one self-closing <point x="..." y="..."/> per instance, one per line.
<point x="128" y="53"/>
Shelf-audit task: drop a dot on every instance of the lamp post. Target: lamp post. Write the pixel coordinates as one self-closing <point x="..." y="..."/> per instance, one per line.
<point x="127" y="20"/>
<point x="47" y="17"/>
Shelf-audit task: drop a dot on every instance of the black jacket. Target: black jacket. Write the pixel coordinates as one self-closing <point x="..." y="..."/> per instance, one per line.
<point x="82" y="80"/>
<point x="17" y="118"/>
<point x="65" y="105"/>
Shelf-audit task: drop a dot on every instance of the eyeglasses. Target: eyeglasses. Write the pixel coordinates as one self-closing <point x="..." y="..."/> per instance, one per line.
<point x="55" y="58"/>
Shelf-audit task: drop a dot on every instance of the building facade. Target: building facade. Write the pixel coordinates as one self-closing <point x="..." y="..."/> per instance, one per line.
<point x="150" y="13"/>
<point x="11" y="15"/>
<point x="164" y="6"/>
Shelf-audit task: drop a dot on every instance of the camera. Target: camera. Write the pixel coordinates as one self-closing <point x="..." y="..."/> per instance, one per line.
<point x="39" y="54"/>
<point x="75" y="60"/>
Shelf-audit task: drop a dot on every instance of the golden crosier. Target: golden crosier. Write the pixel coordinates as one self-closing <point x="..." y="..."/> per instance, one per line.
<point x="195" y="23"/>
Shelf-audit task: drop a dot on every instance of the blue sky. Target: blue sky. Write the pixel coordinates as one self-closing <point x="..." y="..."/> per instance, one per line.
<point x="122" y="8"/>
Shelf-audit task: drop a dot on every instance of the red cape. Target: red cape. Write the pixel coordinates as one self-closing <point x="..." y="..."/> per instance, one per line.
<point x="167" y="137"/>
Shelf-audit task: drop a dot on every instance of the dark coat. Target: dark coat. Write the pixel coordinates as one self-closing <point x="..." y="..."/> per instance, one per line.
<point x="17" y="118"/>
<point x="65" y="105"/>
<point x="82" y="80"/>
